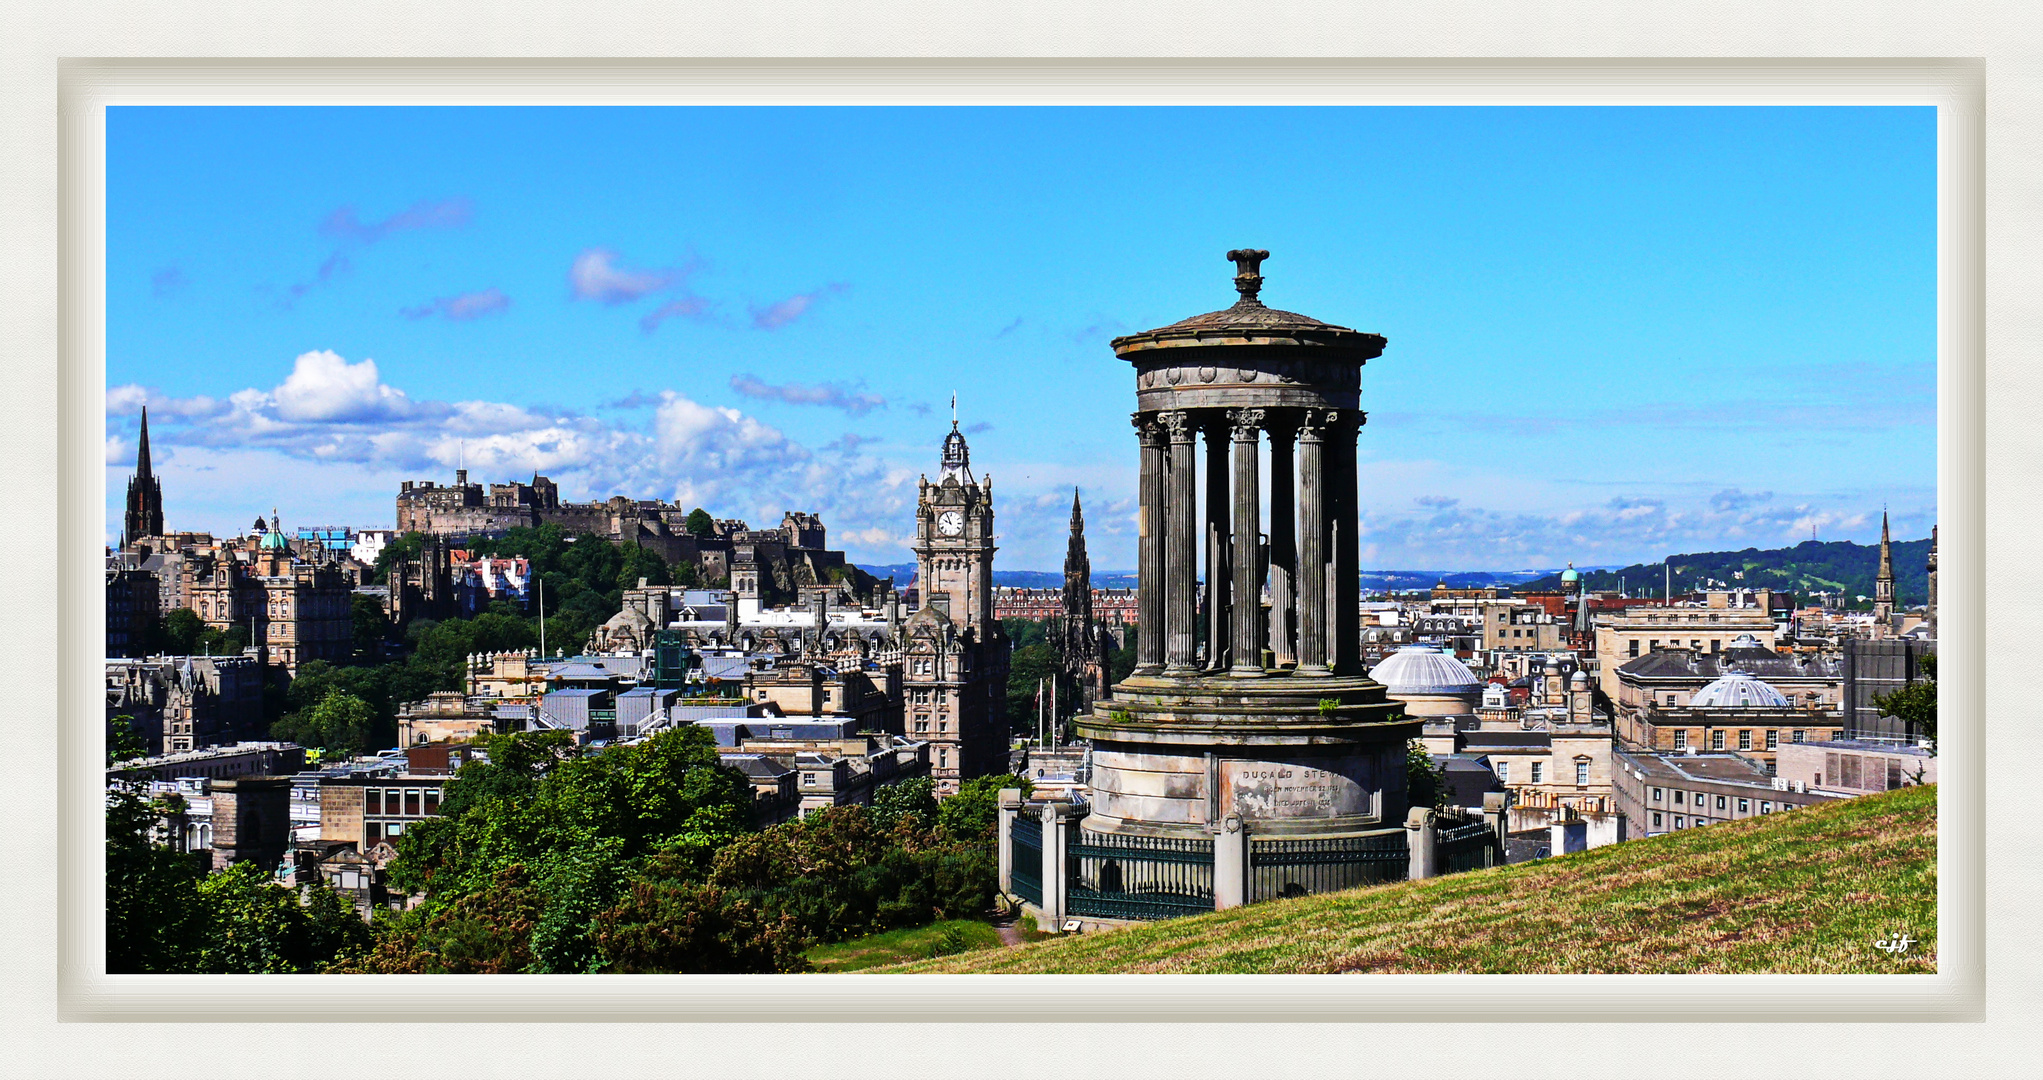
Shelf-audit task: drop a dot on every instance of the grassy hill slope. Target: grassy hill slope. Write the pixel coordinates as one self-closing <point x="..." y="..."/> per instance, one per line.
<point x="1802" y="892"/>
<point x="1810" y="565"/>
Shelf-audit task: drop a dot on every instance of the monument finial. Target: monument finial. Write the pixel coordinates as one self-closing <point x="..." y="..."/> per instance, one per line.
<point x="1248" y="272"/>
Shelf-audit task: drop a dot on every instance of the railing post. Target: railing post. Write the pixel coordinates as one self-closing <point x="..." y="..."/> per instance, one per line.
<point x="1497" y="813"/>
<point x="1010" y="806"/>
<point x="1230" y="864"/>
<point x="1422" y="831"/>
<point x="1056" y="867"/>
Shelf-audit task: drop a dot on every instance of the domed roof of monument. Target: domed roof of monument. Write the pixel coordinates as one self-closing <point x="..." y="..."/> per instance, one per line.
<point x="1250" y="317"/>
<point x="1424" y="669"/>
<point x="1738" y="690"/>
<point x="1570" y="574"/>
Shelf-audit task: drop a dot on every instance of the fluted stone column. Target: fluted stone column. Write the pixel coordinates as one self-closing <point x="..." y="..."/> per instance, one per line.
<point x="1283" y="542"/>
<point x="1312" y="544"/>
<point x="1149" y="601"/>
<point x="1217" y="539"/>
<point x="1247" y="630"/>
<point x="1180" y="572"/>
<point x="1344" y="611"/>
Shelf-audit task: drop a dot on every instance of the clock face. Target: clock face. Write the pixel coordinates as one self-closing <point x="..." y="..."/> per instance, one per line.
<point x="950" y="523"/>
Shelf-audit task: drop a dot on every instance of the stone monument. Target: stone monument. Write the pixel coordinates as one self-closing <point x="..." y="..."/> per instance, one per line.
<point x="1274" y="720"/>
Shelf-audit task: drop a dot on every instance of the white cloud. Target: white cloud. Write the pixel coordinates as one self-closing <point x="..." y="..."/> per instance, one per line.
<point x="595" y="275"/>
<point x="324" y="387"/>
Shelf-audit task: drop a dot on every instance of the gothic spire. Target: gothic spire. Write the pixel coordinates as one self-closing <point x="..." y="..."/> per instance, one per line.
<point x="1886" y="551"/>
<point x="142" y="454"/>
<point x="145" y="494"/>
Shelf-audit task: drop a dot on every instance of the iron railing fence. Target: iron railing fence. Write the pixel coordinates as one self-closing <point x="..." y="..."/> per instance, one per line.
<point x="1467" y="847"/>
<point x="1138" y="877"/>
<point x="1280" y="868"/>
<point x="1025" y="854"/>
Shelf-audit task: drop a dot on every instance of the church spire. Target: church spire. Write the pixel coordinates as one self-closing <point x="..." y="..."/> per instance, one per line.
<point x="1883" y="583"/>
<point x="145" y="494"/>
<point x="142" y="454"/>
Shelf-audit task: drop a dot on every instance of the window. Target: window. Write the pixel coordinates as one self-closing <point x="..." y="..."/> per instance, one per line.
<point x="1656" y="794"/>
<point x="1798" y="734"/>
<point x="432" y="802"/>
<point x="1766" y="808"/>
<point x="1504" y="771"/>
<point x="375" y="832"/>
<point x="1716" y="644"/>
<point x="396" y="829"/>
<point x="1678" y="822"/>
<point x="1656" y="819"/>
<point x="808" y="779"/>
<point x="1681" y="740"/>
<point x="1744" y="740"/>
<point x="1678" y="793"/>
<point x="1581" y="774"/>
<point x="1538" y="767"/>
<point x="1720" y="802"/>
<point x="411" y="802"/>
<point x="1773" y="740"/>
<point x="1670" y="701"/>
<point x="1744" y="806"/>
<point x="372" y="802"/>
<point x="1716" y="740"/>
<point x="1893" y="773"/>
<point x="1653" y="645"/>
<point x="1635" y="646"/>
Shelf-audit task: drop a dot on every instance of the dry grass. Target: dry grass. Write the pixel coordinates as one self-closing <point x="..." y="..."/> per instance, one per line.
<point x="1802" y="892"/>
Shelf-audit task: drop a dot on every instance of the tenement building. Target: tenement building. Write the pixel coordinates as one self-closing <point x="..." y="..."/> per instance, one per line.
<point x="294" y="603"/>
<point x="1237" y="716"/>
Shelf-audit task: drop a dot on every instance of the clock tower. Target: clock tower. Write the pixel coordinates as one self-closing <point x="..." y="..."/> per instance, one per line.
<point x="955" y="663"/>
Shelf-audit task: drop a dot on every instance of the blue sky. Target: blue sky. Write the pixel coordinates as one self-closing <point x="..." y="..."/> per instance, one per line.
<point x="1615" y="333"/>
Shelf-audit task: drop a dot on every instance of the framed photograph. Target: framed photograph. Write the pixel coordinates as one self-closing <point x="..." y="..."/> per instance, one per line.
<point x="417" y="321"/>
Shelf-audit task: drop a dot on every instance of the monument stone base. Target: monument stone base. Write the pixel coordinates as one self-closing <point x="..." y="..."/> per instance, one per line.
<point x="1291" y="755"/>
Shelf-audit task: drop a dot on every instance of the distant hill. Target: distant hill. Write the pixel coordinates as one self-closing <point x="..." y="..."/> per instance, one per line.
<point x="1806" y="892"/>
<point x="1810" y="566"/>
<point x="903" y="573"/>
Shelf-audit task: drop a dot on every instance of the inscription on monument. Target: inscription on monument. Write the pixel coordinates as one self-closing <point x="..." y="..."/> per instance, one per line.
<point x="1260" y="790"/>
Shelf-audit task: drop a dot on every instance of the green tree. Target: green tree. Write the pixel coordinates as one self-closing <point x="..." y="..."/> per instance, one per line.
<point x="255" y="925"/>
<point x="974" y="812"/>
<point x="123" y="742"/>
<point x="700" y="523"/>
<point x="687" y="927"/>
<point x="185" y="634"/>
<point x="340" y="723"/>
<point x="407" y="546"/>
<point x="1025" y="666"/>
<point x="913" y="799"/>
<point x="155" y="921"/>
<point x="1425" y="783"/>
<point x="1916" y="703"/>
<point x="371" y="627"/>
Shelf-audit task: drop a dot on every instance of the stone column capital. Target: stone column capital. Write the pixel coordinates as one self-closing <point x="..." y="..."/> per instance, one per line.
<point x="1247" y="423"/>
<point x="1147" y="428"/>
<point x="1314" y="425"/>
<point x="1178" y="423"/>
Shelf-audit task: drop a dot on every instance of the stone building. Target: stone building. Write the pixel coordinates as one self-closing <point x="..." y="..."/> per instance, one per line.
<point x="1856" y="766"/>
<point x="1661" y="793"/>
<point x="1670" y="678"/>
<point x="954" y="653"/>
<point x="1273" y="725"/>
<point x="132" y="610"/>
<point x="1735" y="712"/>
<point x="251" y="821"/>
<point x="1626" y="634"/>
<point x="781" y="561"/>
<point x="295" y="604"/>
<point x="185" y="703"/>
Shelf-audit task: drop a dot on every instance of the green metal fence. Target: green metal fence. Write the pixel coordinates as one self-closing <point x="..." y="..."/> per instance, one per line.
<point x="1280" y="868"/>
<point x="1467" y="847"/>
<point x="1138" y="877"/>
<point x="1025" y="854"/>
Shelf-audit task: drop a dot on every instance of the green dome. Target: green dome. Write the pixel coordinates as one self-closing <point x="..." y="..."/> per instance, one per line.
<point x="273" y="540"/>
<point x="1569" y="574"/>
